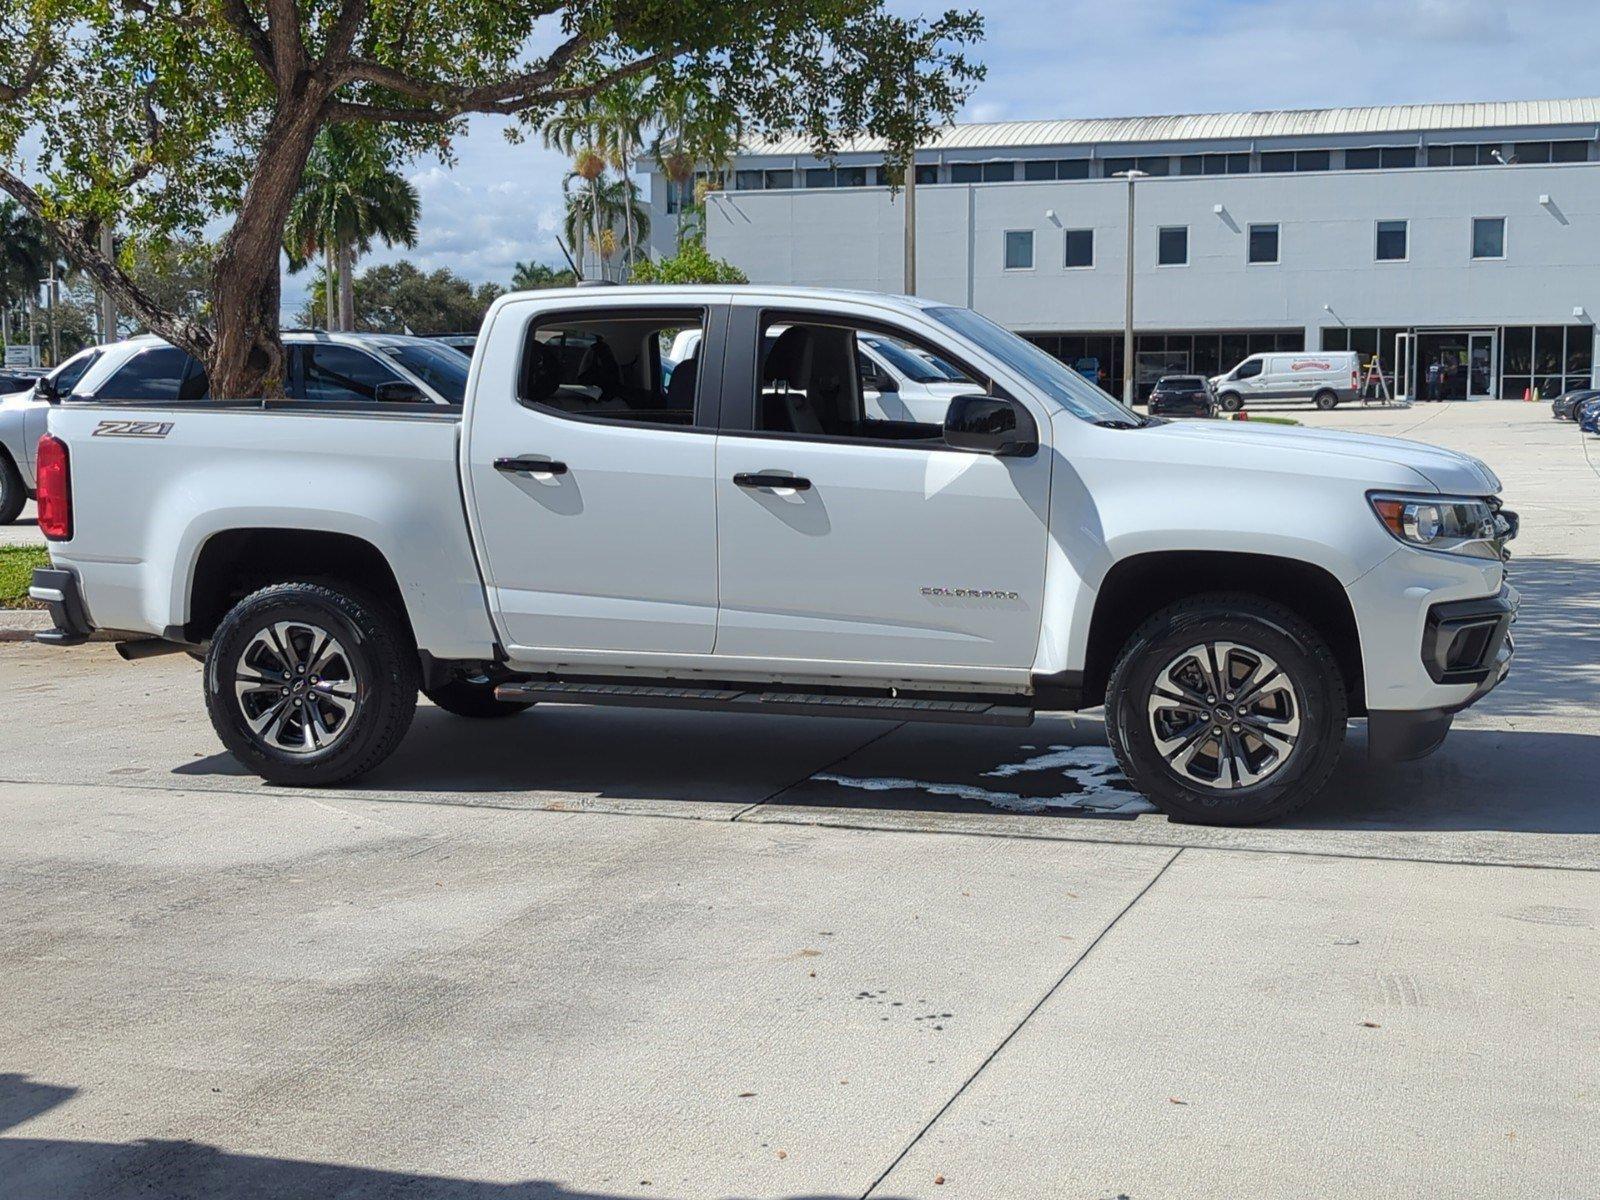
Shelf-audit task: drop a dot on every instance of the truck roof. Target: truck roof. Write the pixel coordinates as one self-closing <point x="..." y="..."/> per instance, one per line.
<point x="657" y="292"/>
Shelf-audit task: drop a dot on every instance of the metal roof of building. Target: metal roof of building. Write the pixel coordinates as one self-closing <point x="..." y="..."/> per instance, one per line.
<point x="1385" y="119"/>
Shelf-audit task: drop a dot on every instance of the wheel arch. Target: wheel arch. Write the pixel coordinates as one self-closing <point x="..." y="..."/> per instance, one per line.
<point x="1137" y="587"/>
<point x="232" y="563"/>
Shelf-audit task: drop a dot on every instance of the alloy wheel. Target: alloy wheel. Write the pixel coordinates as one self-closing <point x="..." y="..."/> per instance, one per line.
<point x="1224" y="715"/>
<point x="296" y="687"/>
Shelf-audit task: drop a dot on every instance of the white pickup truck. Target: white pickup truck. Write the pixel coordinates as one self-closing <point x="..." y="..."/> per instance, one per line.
<point x="748" y="538"/>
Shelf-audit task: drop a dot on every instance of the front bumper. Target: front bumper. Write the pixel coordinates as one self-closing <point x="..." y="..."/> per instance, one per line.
<point x="1464" y="642"/>
<point x="58" y="591"/>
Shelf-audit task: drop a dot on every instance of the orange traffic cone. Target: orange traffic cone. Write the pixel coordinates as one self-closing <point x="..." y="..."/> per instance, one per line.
<point x="1527" y="394"/>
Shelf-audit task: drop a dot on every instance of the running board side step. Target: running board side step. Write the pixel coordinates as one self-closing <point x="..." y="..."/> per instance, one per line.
<point x="789" y="703"/>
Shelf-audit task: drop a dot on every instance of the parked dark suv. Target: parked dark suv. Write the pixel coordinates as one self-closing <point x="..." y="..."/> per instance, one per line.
<point x="1183" y="396"/>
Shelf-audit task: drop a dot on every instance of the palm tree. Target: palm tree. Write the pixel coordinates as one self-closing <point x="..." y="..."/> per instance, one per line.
<point x="580" y="131"/>
<point x="25" y="257"/>
<point x="619" y="203"/>
<point x="695" y="130"/>
<point x="531" y="276"/>
<point x="626" y="109"/>
<point x="349" y="194"/>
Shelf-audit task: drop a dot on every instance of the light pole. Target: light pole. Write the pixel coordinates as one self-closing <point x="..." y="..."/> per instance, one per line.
<point x="1132" y="177"/>
<point x="911" y="223"/>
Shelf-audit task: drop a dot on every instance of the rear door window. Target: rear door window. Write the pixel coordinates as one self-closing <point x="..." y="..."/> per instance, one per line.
<point x="155" y="374"/>
<point x="341" y="373"/>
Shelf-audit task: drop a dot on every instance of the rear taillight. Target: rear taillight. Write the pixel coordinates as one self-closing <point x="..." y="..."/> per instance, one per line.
<point x="54" y="482"/>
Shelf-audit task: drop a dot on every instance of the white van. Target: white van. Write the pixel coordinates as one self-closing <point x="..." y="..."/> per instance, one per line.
<point x="1324" y="377"/>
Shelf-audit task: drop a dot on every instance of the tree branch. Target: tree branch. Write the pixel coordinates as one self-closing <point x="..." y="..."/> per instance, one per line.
<point x="283" y="34"/>
<point x="237" y="15"/>
<point x="343" y="34"/>
<point x="38" y="62"/>
<point x="80" y="244"/>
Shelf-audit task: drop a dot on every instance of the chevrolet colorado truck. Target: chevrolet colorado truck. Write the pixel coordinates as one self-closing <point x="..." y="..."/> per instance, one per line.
<point x="742" y="535"/>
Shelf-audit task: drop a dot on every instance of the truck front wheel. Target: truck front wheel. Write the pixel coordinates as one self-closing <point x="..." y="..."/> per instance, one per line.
<point x="1226" y="710"/>
<point x="1231" y="401"/>
<point x="311" y="684"/>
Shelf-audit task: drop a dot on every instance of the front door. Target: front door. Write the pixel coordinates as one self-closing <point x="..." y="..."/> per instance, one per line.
<point x="590" y="483"/>
<point x="889" y="549"/>
<point x="1480" y="365"/>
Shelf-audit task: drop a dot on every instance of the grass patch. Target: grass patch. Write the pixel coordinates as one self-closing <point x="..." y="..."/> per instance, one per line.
<point x="16" y="571"/>
<point x="1271" y="421"/>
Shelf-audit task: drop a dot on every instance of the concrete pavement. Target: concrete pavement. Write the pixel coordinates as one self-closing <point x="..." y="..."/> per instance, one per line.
<point x="24" y="531"/>
<point x="594" y="953"/>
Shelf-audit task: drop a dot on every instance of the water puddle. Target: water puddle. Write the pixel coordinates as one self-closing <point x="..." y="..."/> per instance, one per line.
<point x="1096" y="783"/>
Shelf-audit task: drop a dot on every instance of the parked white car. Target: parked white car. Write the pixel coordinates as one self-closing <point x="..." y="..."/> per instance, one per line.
<point x="1325" y="378"/>
<point x="747" y="536"/>
<point x="343" y="367"/>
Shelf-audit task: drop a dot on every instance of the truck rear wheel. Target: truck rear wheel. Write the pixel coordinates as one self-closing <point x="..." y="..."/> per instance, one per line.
<point x="473" y="698"/>
<point x="13" y="495"/>
<point x="311" y="684"/>
<point x="1226" y="710"/>
<point x="1325" y="400"/>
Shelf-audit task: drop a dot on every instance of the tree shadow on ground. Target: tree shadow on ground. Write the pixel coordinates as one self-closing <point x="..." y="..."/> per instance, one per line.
<point x="40" y="1168"/>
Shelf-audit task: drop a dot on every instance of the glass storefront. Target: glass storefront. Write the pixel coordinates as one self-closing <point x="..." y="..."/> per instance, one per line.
<point x="1099" y="355"/>
<point x="1507" y="361"/>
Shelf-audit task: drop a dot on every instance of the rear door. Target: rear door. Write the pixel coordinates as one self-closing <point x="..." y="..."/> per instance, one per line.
<point x="892" y="551"/>
<point x="589" y="481"/>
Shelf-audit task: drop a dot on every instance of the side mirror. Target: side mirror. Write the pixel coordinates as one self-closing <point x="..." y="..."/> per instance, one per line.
<point x="883" y="384"/>
<point x="397" y="392"/>
<point x="45" y="389"/>
<point x="990" y="425"/>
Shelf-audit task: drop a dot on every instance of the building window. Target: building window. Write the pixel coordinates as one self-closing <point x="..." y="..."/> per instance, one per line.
<point x="988" y="172"/>
<point x="1172" y="247"/>
<point x="1080" y="248"/>
<point x="1050" y="168"/>
<point x="1371" y="158"/>
<point x="1477" y="154"/>
<point x="749" y="181"/>
<point x="1547" y="152"/>
<point x="1150" y="165"/>
<point x="820" y="177"/>
<point x="1214" y="164"/>
<point x="1263" y="243"/>
<point x="1276" y="161"/>
<point x="1488" y="237"/>
<point x="1019" y="250"/>
<point x="1391" y="242"/>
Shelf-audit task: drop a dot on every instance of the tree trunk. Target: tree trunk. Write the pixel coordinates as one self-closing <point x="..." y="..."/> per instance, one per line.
<point x="330" y="289"/>
<point x="246" y="360"/>
<point x="627" y="217"/>
<point x="594" y="224"/>
<point x="347" y="288"/>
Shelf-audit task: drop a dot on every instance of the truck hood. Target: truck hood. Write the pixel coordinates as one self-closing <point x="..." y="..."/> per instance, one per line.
<point x="1446" y="471"/>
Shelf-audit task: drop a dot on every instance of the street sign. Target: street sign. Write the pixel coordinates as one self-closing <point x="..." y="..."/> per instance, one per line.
<point x="22" y="356"/>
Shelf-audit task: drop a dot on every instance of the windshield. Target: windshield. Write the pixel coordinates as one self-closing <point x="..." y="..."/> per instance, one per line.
<point x="440" y="367"/>
<point x="1049" y="374"/>
<point x="945" y="369"/>
<point x="903" y="361"/>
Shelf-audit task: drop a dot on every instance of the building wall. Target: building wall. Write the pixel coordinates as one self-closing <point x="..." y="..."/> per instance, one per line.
<point x="853" y="238"/>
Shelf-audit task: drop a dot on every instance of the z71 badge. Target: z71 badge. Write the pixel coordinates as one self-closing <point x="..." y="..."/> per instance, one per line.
<point x="133" y="429"/>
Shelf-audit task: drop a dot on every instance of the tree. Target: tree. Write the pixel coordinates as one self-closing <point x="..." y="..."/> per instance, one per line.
<point x="161" y="115"/>
<point x="691" y="264"/>
<point x="25" y="258"/>
<point x="695" y="130"/>
<point x="625" y="110"/>
<point x="401" y="298"/>
<point x="531" y="277"/>
<point x="348" y="195"/>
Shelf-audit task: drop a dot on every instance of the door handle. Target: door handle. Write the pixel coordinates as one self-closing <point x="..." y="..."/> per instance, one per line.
<point x="771" y="479"/>
<point x="530" y="466"/>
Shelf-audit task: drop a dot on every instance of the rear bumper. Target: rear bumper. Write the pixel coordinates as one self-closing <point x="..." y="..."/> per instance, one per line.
<point x="58" y="591"/>
<point x="1465" y="641"/>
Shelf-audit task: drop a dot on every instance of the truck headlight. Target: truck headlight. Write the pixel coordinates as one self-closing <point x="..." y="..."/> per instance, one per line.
<point x="1446" y="524"/>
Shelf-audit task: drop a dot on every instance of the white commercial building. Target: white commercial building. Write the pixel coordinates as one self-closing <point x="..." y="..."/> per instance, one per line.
<point x="1463" y="235"/>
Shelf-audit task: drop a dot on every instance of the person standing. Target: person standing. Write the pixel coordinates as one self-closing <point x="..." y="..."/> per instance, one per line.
<point x="1435" y="369"/>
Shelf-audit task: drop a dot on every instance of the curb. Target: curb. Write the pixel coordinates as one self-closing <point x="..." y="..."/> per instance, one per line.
<point x="20" y="624"/>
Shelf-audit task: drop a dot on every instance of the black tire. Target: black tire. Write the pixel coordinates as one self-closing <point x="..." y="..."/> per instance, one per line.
<point x="474" y="698"/>
<point x="1260" y="627"/>
<point x="13" y="494"/>
<point x="1326" y="400"/>
<point x="375" y="673"/>
<point x="1230" y="401"/>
